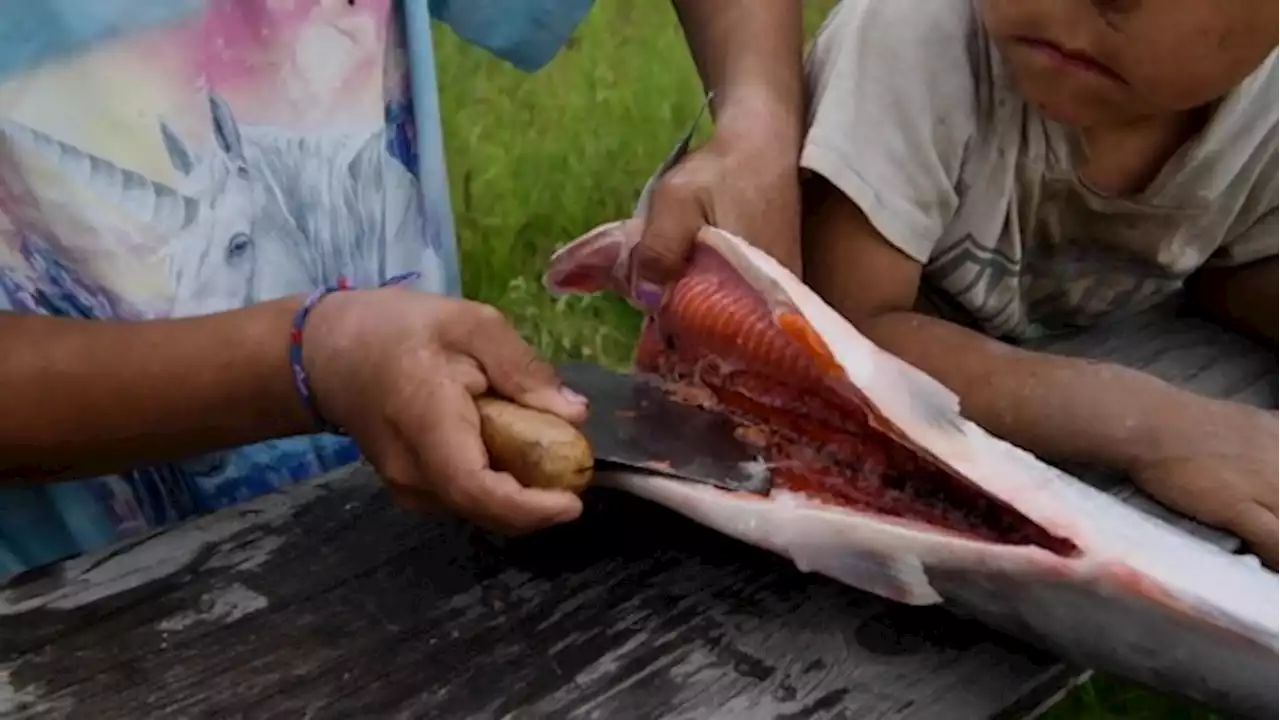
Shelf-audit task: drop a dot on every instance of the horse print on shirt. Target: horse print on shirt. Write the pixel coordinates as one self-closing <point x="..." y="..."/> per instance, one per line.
<point x="259" y="214"/>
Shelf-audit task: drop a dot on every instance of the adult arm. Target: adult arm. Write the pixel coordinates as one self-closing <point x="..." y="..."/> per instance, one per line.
<point x="749" y="53"/>
<point x="87" y="397"/>
<point x="744" y="179"/>
<point x="1058" y="407"/>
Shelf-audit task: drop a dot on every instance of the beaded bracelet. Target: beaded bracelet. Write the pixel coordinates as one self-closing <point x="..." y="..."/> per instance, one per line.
<point x="300" y="379"/>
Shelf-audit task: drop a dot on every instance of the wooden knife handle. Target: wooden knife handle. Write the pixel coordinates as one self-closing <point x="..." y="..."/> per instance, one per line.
<point x="539" y="449"/>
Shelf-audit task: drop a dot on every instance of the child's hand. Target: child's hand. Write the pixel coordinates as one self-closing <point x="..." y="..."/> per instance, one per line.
<point x="1217" y="463"/>
<point x="399" y="371"/>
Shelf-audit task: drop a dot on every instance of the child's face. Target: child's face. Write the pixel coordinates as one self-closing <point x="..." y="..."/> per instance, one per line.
<point x="1105" y="62"/>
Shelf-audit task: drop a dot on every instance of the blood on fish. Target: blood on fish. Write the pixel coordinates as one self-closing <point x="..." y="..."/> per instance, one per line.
<point x="719" y="345"/>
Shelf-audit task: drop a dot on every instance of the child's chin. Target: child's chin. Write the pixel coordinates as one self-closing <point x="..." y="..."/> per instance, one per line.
<point x="1062" y="110"/>
<point x="1078" y="107"/>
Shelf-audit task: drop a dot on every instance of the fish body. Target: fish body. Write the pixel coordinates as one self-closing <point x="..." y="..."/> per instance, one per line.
<point x="882" y="484"/>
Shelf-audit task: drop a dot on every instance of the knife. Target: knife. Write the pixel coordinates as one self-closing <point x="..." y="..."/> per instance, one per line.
<point x="632" y="424"/>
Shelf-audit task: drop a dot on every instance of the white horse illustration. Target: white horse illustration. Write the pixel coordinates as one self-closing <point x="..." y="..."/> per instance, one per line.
<point x="261" y="215"/>
<point x="244" y="246"/>
<point x="322" y="206"/>
<point x="215" y="233"/>
<point x="106" y="217"/>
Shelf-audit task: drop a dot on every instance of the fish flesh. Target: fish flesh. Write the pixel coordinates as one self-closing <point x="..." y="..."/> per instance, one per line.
<point x="882" y="484"/>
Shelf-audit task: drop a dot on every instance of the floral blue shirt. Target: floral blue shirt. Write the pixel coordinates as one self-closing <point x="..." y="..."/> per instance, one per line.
<point x="164" y="158"/>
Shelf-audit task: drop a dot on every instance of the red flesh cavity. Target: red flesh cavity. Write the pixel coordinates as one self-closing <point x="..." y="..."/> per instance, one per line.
<point x="716" y="341"/>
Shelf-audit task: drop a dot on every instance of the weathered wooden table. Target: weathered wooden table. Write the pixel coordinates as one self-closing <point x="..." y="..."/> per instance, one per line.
<point x="325" y="601"/>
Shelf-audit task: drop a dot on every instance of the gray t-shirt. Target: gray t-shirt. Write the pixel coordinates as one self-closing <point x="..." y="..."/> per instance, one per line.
<point x="915" y="119"/>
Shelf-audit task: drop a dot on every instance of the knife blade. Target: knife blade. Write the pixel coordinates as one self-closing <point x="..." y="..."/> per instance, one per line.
<point x="632" y="424"/>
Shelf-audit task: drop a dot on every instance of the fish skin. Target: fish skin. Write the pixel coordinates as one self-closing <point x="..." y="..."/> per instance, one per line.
<point x="1141" y="598"/>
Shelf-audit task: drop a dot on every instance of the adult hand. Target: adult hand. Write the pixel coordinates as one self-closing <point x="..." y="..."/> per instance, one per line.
<point x="399" y="370"/>
<point x="1218" y="464"/>
<point x="744" y="180"/>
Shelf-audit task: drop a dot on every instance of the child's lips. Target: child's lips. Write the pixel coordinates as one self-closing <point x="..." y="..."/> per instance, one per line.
<point x="1074" y="59"/>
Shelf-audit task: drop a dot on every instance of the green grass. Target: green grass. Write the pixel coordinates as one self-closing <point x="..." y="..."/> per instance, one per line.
<point x="535" y="160"/>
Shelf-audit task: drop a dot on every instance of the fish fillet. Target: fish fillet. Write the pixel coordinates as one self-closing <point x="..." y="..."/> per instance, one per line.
<point x="882" y="484"/>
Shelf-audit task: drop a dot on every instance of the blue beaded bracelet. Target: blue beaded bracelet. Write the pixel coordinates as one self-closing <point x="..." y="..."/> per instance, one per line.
<point x="300" y="380"/>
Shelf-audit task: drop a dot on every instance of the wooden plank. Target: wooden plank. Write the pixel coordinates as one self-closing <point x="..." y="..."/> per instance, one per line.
<point x="324" y="601"/>
<point x="1033" y="704"/>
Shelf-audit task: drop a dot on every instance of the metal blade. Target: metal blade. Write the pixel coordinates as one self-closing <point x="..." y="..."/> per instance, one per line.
<point x="633" y="423"/>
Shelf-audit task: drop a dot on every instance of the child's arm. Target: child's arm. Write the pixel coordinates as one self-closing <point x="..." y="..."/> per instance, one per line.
<point x="893" y="96"/>
<point x="1061" y="408"/>
<point x="1243" y="298"/>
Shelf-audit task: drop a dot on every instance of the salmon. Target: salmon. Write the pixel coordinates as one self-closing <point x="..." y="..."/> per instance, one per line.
<point x="882" y="484"/>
